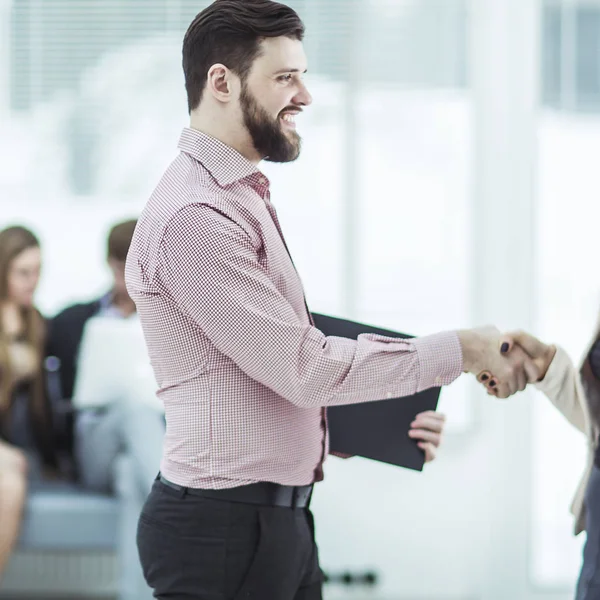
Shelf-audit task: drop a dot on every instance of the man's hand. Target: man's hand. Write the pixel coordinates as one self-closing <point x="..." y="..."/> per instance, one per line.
<point x="504" y="372"/>
<point x="540" y="354"/>
<point x="428" y="428"/>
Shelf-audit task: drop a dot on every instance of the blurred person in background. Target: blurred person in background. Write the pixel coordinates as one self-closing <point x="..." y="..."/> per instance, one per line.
<point x="97" y="436"/>
<point x="27" y="441"/>
<point x="576" y="394"/>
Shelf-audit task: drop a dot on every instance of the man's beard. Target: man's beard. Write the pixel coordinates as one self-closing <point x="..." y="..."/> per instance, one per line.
<point x="267" y="134"/>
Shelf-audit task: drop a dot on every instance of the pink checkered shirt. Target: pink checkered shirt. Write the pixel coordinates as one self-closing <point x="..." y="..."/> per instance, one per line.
<point x="243" y="375"/>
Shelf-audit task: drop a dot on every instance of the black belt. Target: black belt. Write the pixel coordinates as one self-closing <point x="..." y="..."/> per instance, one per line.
<point x="265" y="493"/>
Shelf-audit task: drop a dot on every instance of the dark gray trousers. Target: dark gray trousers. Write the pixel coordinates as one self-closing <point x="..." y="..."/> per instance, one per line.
<point x="588" y="586"/>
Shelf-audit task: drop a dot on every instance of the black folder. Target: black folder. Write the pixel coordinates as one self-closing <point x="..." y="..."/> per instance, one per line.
<point x="377" y="430"/>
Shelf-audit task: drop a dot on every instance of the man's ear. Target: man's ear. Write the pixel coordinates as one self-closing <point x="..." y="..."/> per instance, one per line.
<point x="219" y="83"/>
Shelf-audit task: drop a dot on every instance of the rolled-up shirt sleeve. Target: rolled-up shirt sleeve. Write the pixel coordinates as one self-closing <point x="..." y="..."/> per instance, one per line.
<point x="211" y="269"/>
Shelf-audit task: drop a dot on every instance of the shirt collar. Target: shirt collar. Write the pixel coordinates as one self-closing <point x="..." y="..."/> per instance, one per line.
<point x="224" y="163"/>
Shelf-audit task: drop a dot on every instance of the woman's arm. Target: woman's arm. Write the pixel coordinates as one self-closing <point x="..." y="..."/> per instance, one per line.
<point x="559" y="381"/>
<point x="562" y="385"/>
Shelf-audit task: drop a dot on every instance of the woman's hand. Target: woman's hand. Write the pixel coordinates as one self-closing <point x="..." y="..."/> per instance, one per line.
<point x="540" y="353"/>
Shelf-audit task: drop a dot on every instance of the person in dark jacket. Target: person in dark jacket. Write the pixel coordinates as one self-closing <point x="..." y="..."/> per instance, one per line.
<point x="95" y="437"/>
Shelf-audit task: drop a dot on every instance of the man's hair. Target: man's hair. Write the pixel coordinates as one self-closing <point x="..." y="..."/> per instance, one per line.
<point x="230" y="32"/>
<point x="119" y="240"/>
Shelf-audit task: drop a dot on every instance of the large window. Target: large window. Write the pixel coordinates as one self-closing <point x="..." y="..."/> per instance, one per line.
<point x="572" y="55"/>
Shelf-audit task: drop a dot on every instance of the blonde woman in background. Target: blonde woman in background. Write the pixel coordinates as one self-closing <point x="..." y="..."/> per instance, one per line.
<point x="26" y="439"/>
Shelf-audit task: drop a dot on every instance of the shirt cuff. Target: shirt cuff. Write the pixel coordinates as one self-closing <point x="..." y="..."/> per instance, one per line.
<point x="556" y="370"/>
<point x="440" y="359"/>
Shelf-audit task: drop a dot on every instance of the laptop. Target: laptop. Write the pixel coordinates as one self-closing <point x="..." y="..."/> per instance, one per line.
<point x="113" y="365"/>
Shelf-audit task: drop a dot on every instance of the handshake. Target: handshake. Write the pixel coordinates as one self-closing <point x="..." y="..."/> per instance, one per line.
<point x="504" y="364"/>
